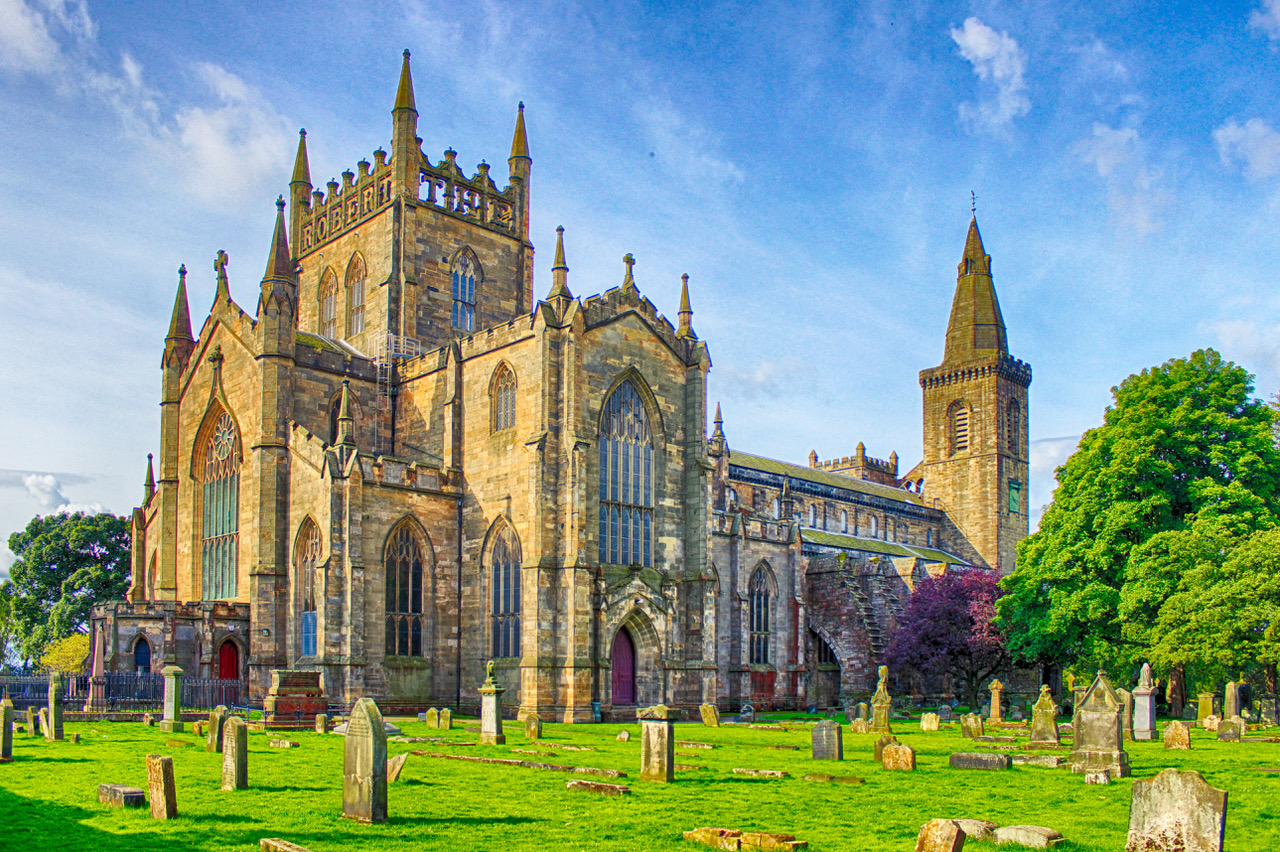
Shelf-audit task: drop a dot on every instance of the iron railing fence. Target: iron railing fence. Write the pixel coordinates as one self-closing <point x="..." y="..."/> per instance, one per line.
<point x="120" y="692"/>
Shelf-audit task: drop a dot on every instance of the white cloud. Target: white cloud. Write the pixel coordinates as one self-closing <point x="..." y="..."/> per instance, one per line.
<point x="1134" y="191"/>
<point x="47" y="492"/>
<point x="1109" y="148"/>
<point x="765" y="379"/>
<point x="1255" y="145"/>
<point x="683" y="147"/>
<point x="1047" y="455"/>
<point x="1267" y="19"/>
<point x="25" y="41"/>
<point x="1254" y="346"/>
<point x="999" y="62"/>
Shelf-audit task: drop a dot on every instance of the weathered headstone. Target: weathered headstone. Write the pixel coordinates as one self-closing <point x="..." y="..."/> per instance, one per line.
<point x="217" y="720"/>
<point x="432" y="718"/>
<point x="657" y="742"/>
<point x="1211" y="722"/>
<point x="859" y="726"/>
<point x="996" y="688"/>
<point x="980" y="760"/>
<point x="1230" y="730"/>
<point x="1231" y="701"/>
<point x="161" y="789"/>
<point x="710" y="715"/>
<point x="6" y="731"/>
<point x="1044" y="721"/>
<point x="172" y="721"/>
<point x="1033" y="836"/>
<point x="446" y="719"/>
<point x="881" y="744"/>
<point x="1144" y="706"/>
<point x="828" y="741"/>
<point x="746" y="713"/>
<point x="1099" y="739"/>
<point x="1268" y="711"/>
<point x="277" y="844"/>
<point x="395" y="766"/>
<point x="944" y="713"/>
<point x="864" y="711"/>
<point x="491" y="710"/>
<point x="881" y="704"/>
<point x="623" y="736"/>
<point x="32" y="723"/>
<point x="148" y="720"/>
<point x="899" y="756"/>
<point x="1176" y="812"/>
<point x="121" y="796"/>
<point x="364" y="764"/>
<point x="322" y="723"/>
<point x="1177" y="736"/>
<point x="53" y="719"/>
<point x="1103" y="777"/>
<point x="533" y="727"/>
<point x="1190" y="713"/>
<point x="971" y="726"/>
<point x="235" y="754"/>
<point x="1126" y="713"/>
<point x="1204" y="707"/>
<point x="929" y="721"/>
<point x="940" y="835"/>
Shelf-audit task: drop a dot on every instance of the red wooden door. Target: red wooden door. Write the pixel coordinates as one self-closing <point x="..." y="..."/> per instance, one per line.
<point x="229" y="661"/>
<point x="624" y="669"/>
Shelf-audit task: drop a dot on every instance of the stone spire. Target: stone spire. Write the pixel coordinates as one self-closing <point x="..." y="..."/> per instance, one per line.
<point x="976" y="328"/>
<point x="301" y="167"/>
<point x="520" y="140"/>
<point x="685" y="331"/>
<point x="717" y="443"/>
<point x="346" y="423"/>
<point x="560" y="270"/>
<point x="406" y="151"/>
<point x="278" y="294"/>
<point x="149" y="486"/>
<point x="279" y="266"/>
<point x="404" y="92"/>
<point x="299" y="191"/>
<point x="180" y="324"/>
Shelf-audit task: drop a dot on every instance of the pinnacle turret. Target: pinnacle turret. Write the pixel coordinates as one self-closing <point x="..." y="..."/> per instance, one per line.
<point x="346" y="423"/>
<point x="404" y="92"/>
<point x="560" y="270"/>
<point x="685" y="331"/>
<point x="180" y="324"/>
<point x="301" y="167"/>
<point x="149" y="486"/>
<point x="519" y="139"/>
<point x="976" y="328"/>
<point x="279" y="265"/>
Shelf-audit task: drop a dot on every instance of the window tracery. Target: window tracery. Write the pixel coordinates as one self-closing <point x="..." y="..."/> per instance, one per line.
<point x="626" y="480"/>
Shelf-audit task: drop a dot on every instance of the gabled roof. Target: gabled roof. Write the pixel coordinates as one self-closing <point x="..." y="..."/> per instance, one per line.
<point x="823" y="477"/>
<point x="875" y="545"/>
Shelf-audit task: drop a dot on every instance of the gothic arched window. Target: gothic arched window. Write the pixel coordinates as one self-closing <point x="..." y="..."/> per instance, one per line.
<point x="142" y="656"/>
<point x="813" y="515"/>
<point x="505" y="576"/>
<point x="355" y="293"/>
<point x="844" y="520"/>
<point x="1013" y="424"/>
<point x="220" y="504"/>
<point x="405" y="618"/>
<point x="958" y="420"/>
<point x="626" y="480"/>
<point x="874" y="527"/>
<point x="777" y="509"/>
<point x="502" y="399"/>
<point x="306" y="559"/>
<point x="329" y="305"/>
<point x="464" y="292"/>
<point x="760" y="616"/>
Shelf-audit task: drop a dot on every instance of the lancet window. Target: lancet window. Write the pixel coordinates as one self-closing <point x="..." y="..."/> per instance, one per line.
<point x="502" y="399"/>
<point x="626" y="480"/>
<point x="464" y="292"/>
<point x="306" y="559"/>
<point x="406" y="621"/>
<point x="220" y="515"/>
<point x="759" y="617"/>
<point x="355" y="293"/>
<point x="329" y="305"/>
<point x="958" y="416"/>
<point x="505" y="611"/>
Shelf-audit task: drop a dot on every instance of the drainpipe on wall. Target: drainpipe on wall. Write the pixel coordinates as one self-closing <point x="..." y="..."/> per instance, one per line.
<point x="457" y="699"/>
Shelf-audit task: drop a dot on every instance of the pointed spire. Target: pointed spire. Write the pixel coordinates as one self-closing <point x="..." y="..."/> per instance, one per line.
<point x="279" y="264"/>
<point x="630" y="261"/>
<point x="560" y="271"/>
<point x="718" y="432"/>
<point x="685" y="331"/>
<point x="976" y="328"/>
<point x="149" y="486"/>
<point x="220" y="261"/>
<point x="404" y="93"/>
<point x="180" y="324"/>
<point x="346" y="423"/>
<point x="520" y="140"/>
<point x="301" y="167"/>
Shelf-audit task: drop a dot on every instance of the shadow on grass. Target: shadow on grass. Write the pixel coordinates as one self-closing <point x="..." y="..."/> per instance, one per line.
<point x="290" y="789"/>
<point x="505" y="820"/>
<point x="218" y="818"/>
<point x="59" y="760"/>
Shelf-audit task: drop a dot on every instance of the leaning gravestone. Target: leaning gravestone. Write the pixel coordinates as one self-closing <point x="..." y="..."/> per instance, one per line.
<point x="364" y="765"/>
<point x="395" y="766"/>
<point x="1144" y="706"/>
<point x="1099" y="739"/>
<point x="710" y="715"/>
<point x="1044" y="721"/>
<point x="996" y="689"/>
<point x="657" y="743"/>
<point x="971" y="726"/>
<point x="898" y="756"/>
<point x="1176" y="812"/>
<point x="1177" y="736"/>
<point x="432" y="718"/>
<point x="533" y="727"/>
<point x="217" y="720"/>
<point x="1204" y="707"/>
<point x="828" y="741"/>
<point x="53" y="730"/>
<point x="883" y="743"/>
<point x="940" y="835"/>
<point x="881" y="704"/>
<point x="6" y="731"/>
<point x="490" y="710"/>
<point x="1126" y="712"/>
<point x="235" y="754"/>
<point x="929" y="721"/>
<point x="172" y="721"/>
<point x="32" y="724"/>
<point x="162" y="790"/>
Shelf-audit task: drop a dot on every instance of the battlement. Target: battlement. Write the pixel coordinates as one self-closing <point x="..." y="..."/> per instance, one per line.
<point x="1002" y="366"/>
<point x="860" y="466"/>
<point x="358" y="198"/>
<point x="476" y="199"/>
<point x="616" y="301"/>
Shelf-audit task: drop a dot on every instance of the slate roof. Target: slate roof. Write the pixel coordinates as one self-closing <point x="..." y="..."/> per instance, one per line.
<point x="878" y="546"/>
<point x="823" y="477"/>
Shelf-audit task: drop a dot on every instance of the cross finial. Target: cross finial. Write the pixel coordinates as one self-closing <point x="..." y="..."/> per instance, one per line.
<point x="220" y="262"/>
<point x="973" y="202"/>
<point x="629" y="261"/>
<point x="182" y="271"/>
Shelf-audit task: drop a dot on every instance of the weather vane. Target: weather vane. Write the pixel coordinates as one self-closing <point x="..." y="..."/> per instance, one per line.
<point x="973" y="203"/>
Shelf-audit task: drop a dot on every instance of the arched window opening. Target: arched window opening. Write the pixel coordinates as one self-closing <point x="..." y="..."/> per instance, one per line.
<point x="329" y="305"/>
<point x="404" y="602"/>
<point x="777" y="509"/>
<point x="871" y="525"/>
<point x="759" y="611"/>
<point x="506" y="595"/>
<point x="306" y="561"/>
<point x="355" y="293"/>
<point x="142" y="656"/>
<point x="958" y="415"/>
<point x="813" y="515"/>
<point x="844" y="520"/>
<point x="220" y="515"/>
<point x="150" y="587"/>
<point x="825" y="655"/>
<point x="1013" y="426"/>
<point x="502" y="399"/>
<point x="626" y="480"/>
<point x="464" y="292"/>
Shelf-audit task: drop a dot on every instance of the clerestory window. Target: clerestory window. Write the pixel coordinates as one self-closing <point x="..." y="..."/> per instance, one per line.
<point x="329" y="305"/>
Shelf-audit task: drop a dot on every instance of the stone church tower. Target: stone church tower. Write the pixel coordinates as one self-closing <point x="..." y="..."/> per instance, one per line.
<point x="975" y="419"/>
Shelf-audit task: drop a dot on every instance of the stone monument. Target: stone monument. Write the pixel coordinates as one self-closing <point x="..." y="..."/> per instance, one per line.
<point x="1176" y="812"/>
<point x="533" y="727"/>
<point x="1204" y="707"/>
<point x="1099" y="737"/>
<point x="6" y="731"/>
<point x="491" y="709"/>
<point x="1126" y="712"/>
<point x="881" y="704"/>
<point x="364" y="764"/>
<point x="1044" y="721"/>
<point x="828" y="741"/>
<point x="235" y="754"/>
<point x="657" y="742"/>
<point x="217" y="720"/>
<point x="710" y="715"/>
<point x="996" y="716"/>
<point x="53" y="726"/>
<point x="1231" y="701"/>
<point x="161" y="788"/>
<point x="294" y="699"/>
<point x="1144" y="706"/>
<point x="172" y="721"/>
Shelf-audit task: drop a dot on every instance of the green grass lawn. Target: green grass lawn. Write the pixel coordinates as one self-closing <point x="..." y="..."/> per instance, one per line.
<point x="48" y="794"/>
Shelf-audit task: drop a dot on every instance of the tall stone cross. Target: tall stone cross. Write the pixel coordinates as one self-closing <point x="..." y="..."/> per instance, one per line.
<point x="996" y="688"/>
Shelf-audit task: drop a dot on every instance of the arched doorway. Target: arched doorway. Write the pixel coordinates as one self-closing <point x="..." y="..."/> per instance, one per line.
<point x="229" y="661"/>
<point x="142" y="656"/>
<point x="624" y="669"/>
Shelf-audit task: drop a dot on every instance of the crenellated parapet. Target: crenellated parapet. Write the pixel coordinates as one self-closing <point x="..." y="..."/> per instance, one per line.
<point x="616" y="301"/>
<point x="1002" y="366"/>
<point x="476" y="199"/>
<point x="359" y="197"/>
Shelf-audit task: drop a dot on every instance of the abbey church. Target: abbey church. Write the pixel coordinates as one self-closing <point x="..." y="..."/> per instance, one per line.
<point x="392" y="463"/>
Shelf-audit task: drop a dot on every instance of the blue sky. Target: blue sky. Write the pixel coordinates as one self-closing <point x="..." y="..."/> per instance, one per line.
<point x="809" y="165"/>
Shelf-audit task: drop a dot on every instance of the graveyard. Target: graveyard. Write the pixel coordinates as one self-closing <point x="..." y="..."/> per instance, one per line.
<point x="50" y="788"/>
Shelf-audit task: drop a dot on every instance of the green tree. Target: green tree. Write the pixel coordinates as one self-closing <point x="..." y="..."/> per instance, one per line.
<point x="65" y="564"/>
<point x="1183" y="468"/>
<point x="66" y="655"/>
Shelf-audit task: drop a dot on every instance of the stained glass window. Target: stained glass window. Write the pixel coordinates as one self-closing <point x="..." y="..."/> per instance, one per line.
<point x="502" y="399"/>
<point x="220" y="496"/>
<point x="626" y="480"/>
<point x="404" y="601"/>
<point x="306" y="561"/>
<point x="329" y="305"/>
<point x="759" y="612"/>
<point x="355" y="291"/>
<point x="506" y="595"/>
<point x="464" y="293"/>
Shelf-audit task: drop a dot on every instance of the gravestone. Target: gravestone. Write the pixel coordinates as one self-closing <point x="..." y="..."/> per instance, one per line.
<point x="1268" y="712"/>
<point x="1176" y="812"/>
<point x="747" y="714"/>
<point x="657" y="743"/>
<point x="710" y="715"/>
<point x="172" y="721"/>
<point x="1144" y="706"/>
<point x="148" y="720"/>
<point x="980" y="760"/>
<point x="322" y="723"/>
<point x="1204" y="707"/>
<point x="1190" y="713"/>
<point x="995" y="716"/>
<point x="623" y="736"/>
<point x="1211" y="722"/>
<point x="217" y="719"/>
<point x="1099" y="738"/>
<point x="944" y="713"/>
<point x="491" y="710"/>
<point x="32" y="724"/>
<point x="1230" y="730"/>
<point x="294" y="696"/>
<point x="364" y="764"/>
<point x="121" y="796"/>
<point x="850" y="713"/>
<point x="533" y="727"/>
<point x="940" y="835"/>
<point x="883" y="743"/>
<point x="828" y="741"/>
<point x="864" y="711"/>
<point x="859" y="726"/>
<point x="1044" y="721"/>
<point x="929" y="721"/>
<point x="881" y="704"/>
<point x="432" y="718"/>
<point x="53" y="728"/>
<point x="899" y="757"/>
<point x="161" y="789"/>
<point x="6" y="731"/>
<point x="235" y="754"/>
<point x="395" y="766"/>
<point x="1231" y="701"/>
<point x="1126" y="712"/>
<point x="971" y="726"/>
<point x="446" y="719"/>
<point x="1177" y="736"/>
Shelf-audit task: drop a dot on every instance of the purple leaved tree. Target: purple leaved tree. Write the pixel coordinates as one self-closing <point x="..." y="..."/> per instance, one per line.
<point x="946" y="629"/>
